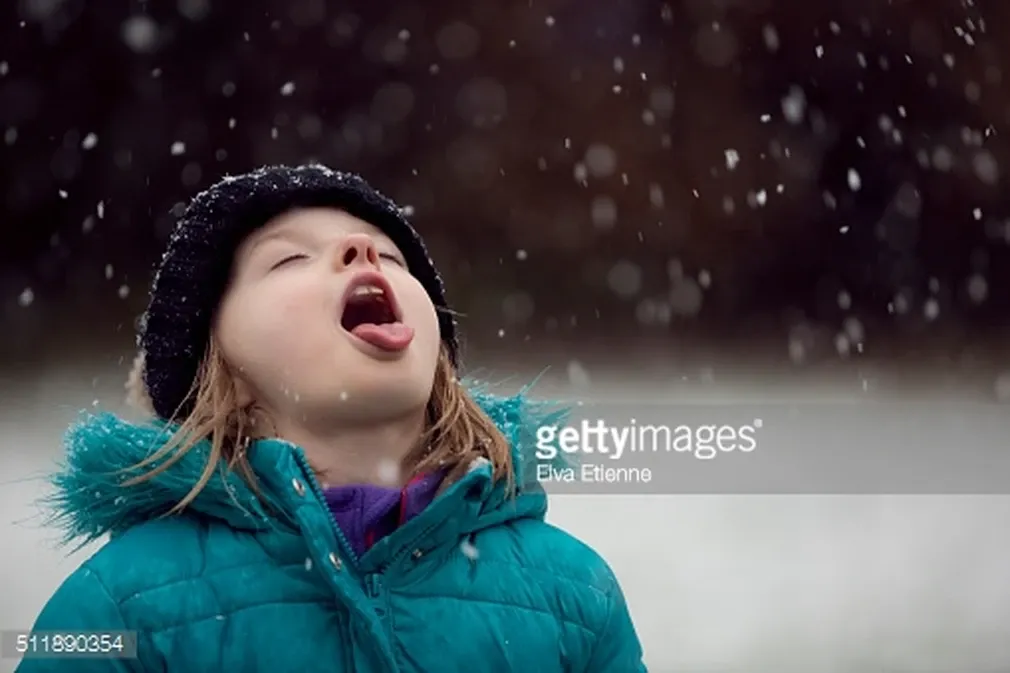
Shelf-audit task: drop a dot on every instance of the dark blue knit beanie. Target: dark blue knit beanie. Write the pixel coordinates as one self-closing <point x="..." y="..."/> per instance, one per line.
<point x="194" y="271"/>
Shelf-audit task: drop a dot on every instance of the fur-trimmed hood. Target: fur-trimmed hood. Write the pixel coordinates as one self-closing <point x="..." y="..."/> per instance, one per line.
<point x="90" y="500"/>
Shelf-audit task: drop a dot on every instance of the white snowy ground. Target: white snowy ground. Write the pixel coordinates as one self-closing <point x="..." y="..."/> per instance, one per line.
<point x="826" y="584"/>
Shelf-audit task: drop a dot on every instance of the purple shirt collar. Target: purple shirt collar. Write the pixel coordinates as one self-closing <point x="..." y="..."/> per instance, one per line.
<point x="367" y="513"/>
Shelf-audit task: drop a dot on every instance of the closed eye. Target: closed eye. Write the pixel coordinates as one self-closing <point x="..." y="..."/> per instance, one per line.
<point x="288" y="259"/>
<point x="392" y="258"/>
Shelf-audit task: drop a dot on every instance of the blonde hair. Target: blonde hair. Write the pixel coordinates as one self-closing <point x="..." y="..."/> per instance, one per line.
<point x="457" y="431"/>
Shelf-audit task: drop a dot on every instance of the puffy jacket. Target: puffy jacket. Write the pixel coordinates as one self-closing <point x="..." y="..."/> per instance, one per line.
<point x="242" y="583"/>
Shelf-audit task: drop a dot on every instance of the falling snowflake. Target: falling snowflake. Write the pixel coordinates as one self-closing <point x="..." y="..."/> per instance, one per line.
<point x="854" y="180"/>
<point x="794" y="105"/>
<point x="194" y="10"/>
<point x="686" y="297"/>
<point x="771" y="37"/>
<point x="469" y="550"/>
<point x="978" y="289"/>
<point x="732" y="159"/>
<point x="797" y="350"/>
<point x="625" y="279"/>
<point x="1001" y="386"/>
<point x="986" y="168"/>
<point x="842" y="344"/>
<point x="577" y="374"/>
<point x="603" y="212"/>
<point x="656" y="197"/>
<point x="757" y="199"/>
<point x="388" y="472"/>
<point x="26" y="297"/>
<point x="600" y="160"/>
<point x="140" y="34"/>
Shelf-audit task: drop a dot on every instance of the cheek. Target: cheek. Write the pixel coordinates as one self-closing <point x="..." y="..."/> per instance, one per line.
<point x="286" y="314"/>
<point x="258" y="323"/>
<point x="420" y="314"/>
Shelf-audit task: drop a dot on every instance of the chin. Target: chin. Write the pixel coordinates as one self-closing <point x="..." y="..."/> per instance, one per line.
<point x="390" y="388"/>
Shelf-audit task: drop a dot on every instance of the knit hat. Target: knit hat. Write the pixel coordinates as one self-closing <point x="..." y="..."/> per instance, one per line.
<point x="194" y="271"/>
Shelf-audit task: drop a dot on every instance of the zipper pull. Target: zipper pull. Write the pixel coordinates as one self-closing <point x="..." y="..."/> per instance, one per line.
<point x="373" y="588"/>
<point x="372" y="585"/>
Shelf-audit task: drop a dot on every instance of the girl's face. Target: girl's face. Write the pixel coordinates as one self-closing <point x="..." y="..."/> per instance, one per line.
<point x="287" y="324"/>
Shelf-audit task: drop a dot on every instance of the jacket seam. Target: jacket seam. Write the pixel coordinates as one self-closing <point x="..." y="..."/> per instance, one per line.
<point x="227" y="613"/>
<point x="546" y="576"/>
<point x="513" y="606"/>
<point x="599" y="636"/>
<point x="116" y="604"/>
<point x="200" y="576"/>
<point x="465" y="599"/>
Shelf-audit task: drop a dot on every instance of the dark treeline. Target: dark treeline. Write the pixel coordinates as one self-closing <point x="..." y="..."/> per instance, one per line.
<point x="824" y="177"/>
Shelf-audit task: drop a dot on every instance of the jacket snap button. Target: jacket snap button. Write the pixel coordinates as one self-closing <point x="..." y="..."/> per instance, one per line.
<point x="299" y="486"/>
<point x="335" y="561"/>
<point x="417" y="553"/>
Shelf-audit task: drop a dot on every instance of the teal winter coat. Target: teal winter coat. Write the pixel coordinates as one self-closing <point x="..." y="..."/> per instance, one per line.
<point x="477" y="582"/>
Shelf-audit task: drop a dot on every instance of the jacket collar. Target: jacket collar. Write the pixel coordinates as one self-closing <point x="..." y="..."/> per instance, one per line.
<point x="90" y="499"/>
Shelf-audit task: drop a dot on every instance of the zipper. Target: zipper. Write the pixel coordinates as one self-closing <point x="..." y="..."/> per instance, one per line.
<point x="348" y="651"/>
<point x="373" y="581"/>
<point x="318" y="491"/>
<point x="370" y="582"/>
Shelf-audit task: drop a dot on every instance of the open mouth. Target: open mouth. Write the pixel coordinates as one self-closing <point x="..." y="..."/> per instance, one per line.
<point x="368" y="300"/>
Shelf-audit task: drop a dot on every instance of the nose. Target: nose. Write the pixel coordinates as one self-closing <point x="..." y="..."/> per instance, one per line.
<point x="354" y="250"/>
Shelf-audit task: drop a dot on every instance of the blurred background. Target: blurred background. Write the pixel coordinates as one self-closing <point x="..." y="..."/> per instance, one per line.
<point x="720" y="196"/>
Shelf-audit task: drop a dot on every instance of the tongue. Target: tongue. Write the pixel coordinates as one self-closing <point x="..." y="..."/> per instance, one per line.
<point x="394" y="336"/>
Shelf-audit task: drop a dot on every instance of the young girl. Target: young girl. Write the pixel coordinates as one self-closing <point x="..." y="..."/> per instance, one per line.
<point x="319" y="493"/>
